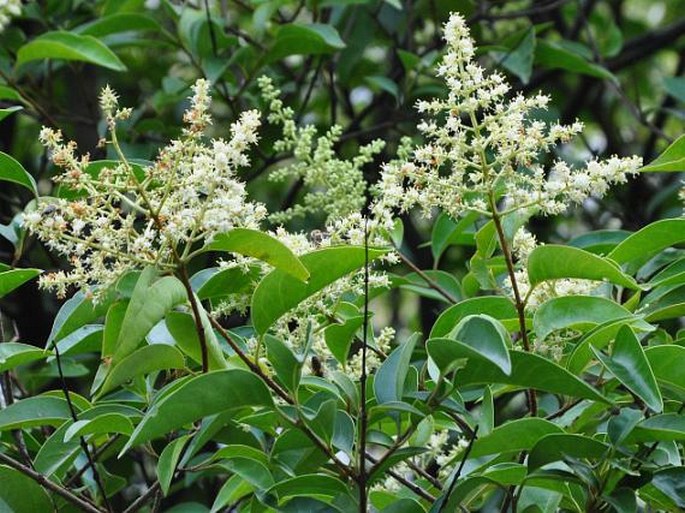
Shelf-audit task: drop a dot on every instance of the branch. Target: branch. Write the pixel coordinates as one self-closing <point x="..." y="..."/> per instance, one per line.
<point x="83" y="504"/>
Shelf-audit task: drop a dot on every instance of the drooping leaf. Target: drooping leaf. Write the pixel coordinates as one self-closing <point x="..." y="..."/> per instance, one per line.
<point x="519" y="58"/>
<point x="214" y="283"/>
<point x="446" y="232"/>
<point x="182" y="327"/>
<point x="12" y="171"/>
<point x="667" y="363"/>
<point x="486" y="336"/>
<point x="671" y="482"/>
<point x="283" y="360"/>
<point x="630" y="366"/>
<point x="556" y="446"/>
<point x="261" y="246"/>
<point x="117" y="23"/>
<point x="552" y="262"/>
<point x="278" y="292"/>
<point x="105" y="423"/>
<point x="62" y="45"/>
<point x="199" y="397"/>
<point x="339" y="337"/>
<point x="553" y="55"/>
<point x="34" y="411"/>
<point x="671" y="160"/>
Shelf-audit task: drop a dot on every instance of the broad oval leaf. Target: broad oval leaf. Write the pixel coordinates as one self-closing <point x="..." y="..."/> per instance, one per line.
<point x="42" y="410"/>
<point x="166" y="466"/>
<point x="556" y="446"/>
<point x="13" y="278"/>
<point x="182" y="328"/>
<point x="630" y="366"/>
<point x="309" y="485"/>
<point x="487" y="337"/>
<point x="198" y="397"/>
<point x="12" y="171"/>
<point x="516" y="435"/>
<point x="311" y="39"/>
<point x="579" y="312"/>
<point x="553" y="262"/>
<point x="278" y="292"/>
<point x="667" y="363"/>
<point x="105" y="423"/>
<point x="119" y="22"/>
<point x="68" y="46"/>
<point x="497" y="307"/>
<point x="261" y="246"/>
<point x="658" y="428"/>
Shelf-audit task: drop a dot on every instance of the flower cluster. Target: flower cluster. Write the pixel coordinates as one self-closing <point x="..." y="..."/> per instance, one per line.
<point x="481" y="146"/>
<point x="125" y="216"/>
<point x="8" y="10"/>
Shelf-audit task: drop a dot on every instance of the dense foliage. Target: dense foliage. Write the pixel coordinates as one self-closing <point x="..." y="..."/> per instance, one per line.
<point x="278" y="255"/>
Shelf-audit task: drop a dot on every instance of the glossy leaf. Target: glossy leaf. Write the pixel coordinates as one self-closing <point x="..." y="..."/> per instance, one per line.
<point x="141" y="362"/>
<point x="68" y="46"/>
<point x="14" y="278"/>
<point x="516" y="435"/>
<point x="166" y="466"/>
<point x="671" y="160"/>
<point x="552" y="262"/>
<point x="497" y="307"/>
<point x="278" y="292"/>
<point x="667" y="363"/>
<point x="630" y="366"/>
<point x="339" y="337"/>
<point x="284" y="362"/>
<point x="13" y="354"/>
<point x="21" y="494"/>
<point x="35" y="411"/>
<point x="12" y="171"/>
<point x="556" y="446"/>
<point x="487" y="337"/>
<point x="261" y="246"/>
<point x="642" y="245"/>
<point x="199" y="397"/>
<point x="528" y="371"/>
<point x="106" y="423"/>
<point x="671" y="482"/>
<point x="388" y="384"/>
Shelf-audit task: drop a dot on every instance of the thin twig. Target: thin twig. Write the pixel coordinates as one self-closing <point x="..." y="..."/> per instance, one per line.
<point x="140" y="501"/>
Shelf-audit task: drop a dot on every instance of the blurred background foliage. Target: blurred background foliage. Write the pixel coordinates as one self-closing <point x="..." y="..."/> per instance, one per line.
<point x="617" y="65"/>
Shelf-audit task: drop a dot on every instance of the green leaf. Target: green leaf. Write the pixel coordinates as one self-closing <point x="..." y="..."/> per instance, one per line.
<point x="629" y="365"/>
<point x="552" y="262"/>
<point x="554" y="55"/>
<point x="117" y="23"/>
<point x="213" y="283"/>
<point x="487" y="337"/>
<point x="556" y="446"/>
<point x="70" y="47"/>
<point x="261" y="246"/>
<point x="12" y="171"/>
<point x="141" y="362"/>
<point x="106" y="423"/>
<point x="278" y="292"/>
<point x="287" y="366"/>
<point x="498" y="307"/>
<point x="384" y="84"/>
<point x="166" y="466"/>
<point x="234" y="489"/>
<point x="416" y="283"/>
<point x="446" y="232"/>
<point x="388" y="384"/>
<point x="675" y="86"/>
<point x="667" y="363"/>
<point x="671" y="482"/>
<point x="528" y="370"/>
<point x="339" y="337"/>
<point x="42" y="410"/>
<point x="9" y="110"/>
<point x="149" y="304"/>
<point x="671" y="160"/>
<point x="309" y="485"/>
<point x="182" y="327"/>
<point x="199" y="397"/>
<point x="311" y="39"/>
<point x="642" y="245"/>
<point x="13" y="354"/>
<point x="578" y="312"/>
<point x="658" y="428"/>
<point x="519" y="59"/>
<point x="21" y="494"/>
<point x="14" y="278"/>
<point x="516" y="435"/>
